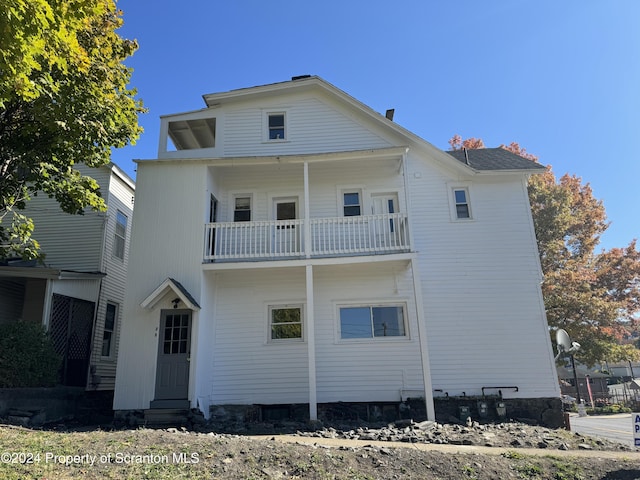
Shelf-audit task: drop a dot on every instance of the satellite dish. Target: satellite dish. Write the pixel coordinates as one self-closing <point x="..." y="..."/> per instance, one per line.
<point x="565" y="345"/>
<point x="563" y="340"/>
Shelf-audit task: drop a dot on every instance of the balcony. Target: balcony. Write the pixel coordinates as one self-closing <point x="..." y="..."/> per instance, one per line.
<point x="286" y="239"/>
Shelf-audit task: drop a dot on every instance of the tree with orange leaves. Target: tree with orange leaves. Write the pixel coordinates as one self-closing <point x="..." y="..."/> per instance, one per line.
<point x="593" y="296"/>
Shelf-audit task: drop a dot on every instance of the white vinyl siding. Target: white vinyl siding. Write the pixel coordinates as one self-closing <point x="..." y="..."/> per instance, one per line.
<point x="481" y="288"/>
<point x="479" y="280"/>
<point x="268" y="182"/>
<point x="247" y="367"/>
<point x="120" y="198"/>
<point x="361" y="371"/>
<point x="312" y="126"/>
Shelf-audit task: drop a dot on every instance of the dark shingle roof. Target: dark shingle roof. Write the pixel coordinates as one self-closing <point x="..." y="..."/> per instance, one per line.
<point x="184" y="291"/>
<point x="494" y="159"/>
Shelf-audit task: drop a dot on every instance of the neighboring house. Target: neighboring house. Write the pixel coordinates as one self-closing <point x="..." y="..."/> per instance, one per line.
<point x="296" y="247"/>
<point x="625" y="370"/>
<point x="597" y="383"/>
<point x="625" y="393"/>
<point x="78" y="292"/>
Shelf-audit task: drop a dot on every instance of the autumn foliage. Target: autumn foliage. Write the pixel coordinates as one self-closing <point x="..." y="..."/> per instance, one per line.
<point x="593" y="295"/>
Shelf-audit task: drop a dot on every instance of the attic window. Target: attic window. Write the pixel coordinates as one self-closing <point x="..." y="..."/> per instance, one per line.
<point x="193" y="134"/>
<point x="276" y="126"/>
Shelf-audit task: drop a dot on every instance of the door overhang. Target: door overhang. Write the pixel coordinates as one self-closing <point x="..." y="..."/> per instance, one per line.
<point x="174" y="287"/>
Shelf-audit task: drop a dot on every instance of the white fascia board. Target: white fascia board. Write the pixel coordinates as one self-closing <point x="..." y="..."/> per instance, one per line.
<point x="293" y="263"/>
<point x="391" y="152"/>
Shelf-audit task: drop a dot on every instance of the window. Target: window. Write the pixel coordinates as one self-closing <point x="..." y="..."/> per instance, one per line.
<point x="285" y="322"/>
<point x="276" y="126"/>
<point x="372" y="322"/>
<point x="120" y="235"/>
<point x="242" y="209"/>
<point x="351" y="204"/>
<point x="109" y="329"/>
<point x="461" y="197"/>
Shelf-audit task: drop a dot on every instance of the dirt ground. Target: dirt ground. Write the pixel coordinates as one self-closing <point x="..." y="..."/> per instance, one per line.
<point x="517" y="451"/>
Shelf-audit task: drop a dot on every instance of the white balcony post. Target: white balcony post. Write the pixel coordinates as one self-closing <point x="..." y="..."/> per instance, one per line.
<point x="311" y="346"/>
<point x="307" y="213"/>
<point x="407" y="198"/>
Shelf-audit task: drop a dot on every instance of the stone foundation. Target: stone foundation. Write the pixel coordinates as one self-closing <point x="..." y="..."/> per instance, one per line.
<point x="34" y="407"/>
<point x="537" y="411"/>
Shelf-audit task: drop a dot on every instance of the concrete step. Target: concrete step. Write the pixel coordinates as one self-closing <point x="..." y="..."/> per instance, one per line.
<point x="166" y="416"/>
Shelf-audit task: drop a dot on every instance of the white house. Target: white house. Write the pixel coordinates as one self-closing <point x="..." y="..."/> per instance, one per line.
<point x="292" y="246"/>
<point x="79" y="290"/>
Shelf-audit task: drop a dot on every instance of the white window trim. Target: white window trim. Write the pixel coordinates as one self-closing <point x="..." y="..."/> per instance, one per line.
<point x="112" y="345"/>
<point x="285" y="304"/>
<point x="265" y="125"/>
<point x="373" y="303"/>
<point x="452" y="187"/>
<point x="294" y="197"/>
<point x="232" y="204"/>
<point x="341" y="190"/>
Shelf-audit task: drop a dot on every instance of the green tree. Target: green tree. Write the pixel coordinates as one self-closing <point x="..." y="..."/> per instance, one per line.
<point x="64" y="99"/>
<point x="590" y="294"/>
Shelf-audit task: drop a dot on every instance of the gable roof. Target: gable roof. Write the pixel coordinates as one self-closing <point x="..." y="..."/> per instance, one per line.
<point x="494" y="159"/>
<point x="491" y="160"/>
<point x="170" y="285"/>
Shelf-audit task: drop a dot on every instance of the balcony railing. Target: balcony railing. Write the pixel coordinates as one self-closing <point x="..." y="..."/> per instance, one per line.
<point x="282" y="239"/>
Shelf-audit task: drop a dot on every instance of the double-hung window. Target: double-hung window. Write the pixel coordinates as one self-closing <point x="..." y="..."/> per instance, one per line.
<point x="351" y="203"/>
<point x="276" y="126"/>
<point x="242" y="208"/>
<point x="460" y="202"/>
<point x="120" y="236"/>
<point x="285" y="322"/>
<point x="372" y="321"/>
<point x="108" y="336"/>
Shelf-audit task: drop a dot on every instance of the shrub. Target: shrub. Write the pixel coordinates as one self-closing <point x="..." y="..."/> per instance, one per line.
<point x="27" y="356"/>
<point x="608" y="409"/>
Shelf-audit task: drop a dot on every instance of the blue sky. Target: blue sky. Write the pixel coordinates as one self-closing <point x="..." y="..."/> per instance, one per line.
<point x="562" y="78"/>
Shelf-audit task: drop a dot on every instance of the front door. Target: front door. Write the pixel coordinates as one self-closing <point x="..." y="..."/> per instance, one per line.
<point x="286" y="239"/>
<point x="174" y="350"/>
<point x="385" y="228"/>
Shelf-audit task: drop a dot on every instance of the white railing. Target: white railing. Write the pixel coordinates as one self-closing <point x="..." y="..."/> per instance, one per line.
<point x="335" y="236"/>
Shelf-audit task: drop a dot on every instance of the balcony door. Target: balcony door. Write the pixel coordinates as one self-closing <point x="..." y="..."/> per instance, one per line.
<point x="384" y="228"/>
<point x="286" y="235"/>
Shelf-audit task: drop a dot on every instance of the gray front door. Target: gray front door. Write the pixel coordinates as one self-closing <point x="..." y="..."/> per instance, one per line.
<point x="174" y="350"/>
